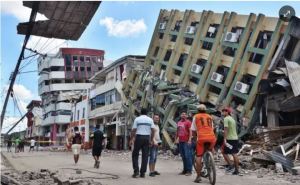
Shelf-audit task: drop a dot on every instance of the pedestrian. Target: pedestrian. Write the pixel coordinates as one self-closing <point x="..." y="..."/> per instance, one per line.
<point x="32" y="144"/>
<point x="142" y="135"/>
<point x="230" y="145"/>
<point x="22" y="145"/>
<point x="183" y="138"/>
<point x="154" y="147"/>
<point x="98" y="142"/>
<point x="9" y="144"/>
<point x="17" y="143"/>
<point x="203" y="129"/>
<point x="76" y="144"/>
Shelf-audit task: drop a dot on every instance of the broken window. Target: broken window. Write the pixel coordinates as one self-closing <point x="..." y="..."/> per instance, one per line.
<point x="290" y="53"/>
<point x="163" y="67"/>
<point x="165" y="102"/>
<point x="88" y="68"/>
<point x="223" y="70"/>
<point x="182" y="59"/>
<point x="263" y="38"/>
<point x="229" y="51"/>
<point x="156" y="51"/>
<point x="161" y="35"/>
<point x="207" y="45"/>
<point x="249" y="80"/>
<point x="173" y="38"/>
<point x="168" y="55"/>
<point x="81" y="58"/>
<point x="188" y="41"/>
<point x="212" y="30"/>
<point x="201" y="62"/>
<point x="214" y="89"/>
<point x="256" y="58"/>
<point x="177" y="72"/>
<point x="177" y="26"/>
<point x="81" y="68"/>
<point x="194" y="80"/>
<point x="68" y="69"/>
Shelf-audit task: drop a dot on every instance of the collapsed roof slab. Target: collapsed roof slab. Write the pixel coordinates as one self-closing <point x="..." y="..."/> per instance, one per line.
<point x="66" y="19"/>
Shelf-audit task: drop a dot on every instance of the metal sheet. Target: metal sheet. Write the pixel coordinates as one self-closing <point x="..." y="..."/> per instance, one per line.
<point x="293" y="69"/>
<point x="67" y="19"/>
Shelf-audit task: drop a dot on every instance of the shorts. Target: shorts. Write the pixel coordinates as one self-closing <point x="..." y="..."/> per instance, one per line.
<point x="76" y="149"/>
<point x="97" y="151"/>
<point x="31" y="147"/>
<point x="153" y="154"/>
<point x="233" y="150"/>
<point x="201" y="142"/>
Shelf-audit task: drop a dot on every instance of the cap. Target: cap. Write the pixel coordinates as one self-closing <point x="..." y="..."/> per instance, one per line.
<point x="227" y="109"/>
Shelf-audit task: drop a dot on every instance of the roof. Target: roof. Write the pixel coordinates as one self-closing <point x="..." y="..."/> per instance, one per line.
<point x="67" y="19"/>
<point x="101" y="74"/>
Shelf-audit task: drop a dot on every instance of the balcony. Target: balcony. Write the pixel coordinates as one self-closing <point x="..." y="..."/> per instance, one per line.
<point x="48" y="62"/>
<point x="52" y="75"/>
<point x="102" y="89"/>
<point x="106" y="110"/>
<point x="59" y="106"/>
<point x="61" y="134"/>
<point x="64" y="87"/>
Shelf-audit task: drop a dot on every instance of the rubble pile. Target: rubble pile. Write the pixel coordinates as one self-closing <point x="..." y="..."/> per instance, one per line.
<point x="43" y="177"/>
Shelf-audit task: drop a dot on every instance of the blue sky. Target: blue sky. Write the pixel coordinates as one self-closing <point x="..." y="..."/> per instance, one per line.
<point x="132" y="22"/>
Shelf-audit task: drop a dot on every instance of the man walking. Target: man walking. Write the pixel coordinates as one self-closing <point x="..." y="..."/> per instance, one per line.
<point x="98" y="142"/>
<point x="183" y="138"/>
<point x="203" y="128"/>
<point x="9" y="144"/>
<point x="154" y="147"/>
<point x="32" y="144"/>
<point x="230" y="145"/>
<point x="76" y="144"/>
<point x="142" y="135"/>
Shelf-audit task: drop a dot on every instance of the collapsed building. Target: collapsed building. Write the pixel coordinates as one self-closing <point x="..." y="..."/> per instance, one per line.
<point x="248" y="62"/>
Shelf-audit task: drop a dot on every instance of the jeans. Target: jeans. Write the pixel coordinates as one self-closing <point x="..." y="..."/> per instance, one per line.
<point x="141" y="143"/>
<point x="186" y="155"/>
<point x="153" y="154"/>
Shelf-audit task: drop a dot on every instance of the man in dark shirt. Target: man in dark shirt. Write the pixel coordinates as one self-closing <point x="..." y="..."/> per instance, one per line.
<point x="98" y="141"/>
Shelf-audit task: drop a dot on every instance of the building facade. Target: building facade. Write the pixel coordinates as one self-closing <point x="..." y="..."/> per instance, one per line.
<point x="67" y="71"/>
<point x="106" y="98"/>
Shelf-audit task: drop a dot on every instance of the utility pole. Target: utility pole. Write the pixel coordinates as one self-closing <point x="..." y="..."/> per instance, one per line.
<point x="21" y="57"/>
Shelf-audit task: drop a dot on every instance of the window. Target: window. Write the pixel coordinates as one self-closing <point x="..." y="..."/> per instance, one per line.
<point x="68" y="69"/>
<point x="94" y="59"/>
<point x="88" y="68"/>
<point x="78" y="114"/>
<point x="100" y="100"/>
<point x="110" y="97"/>
<point x="173" y="38"/>
<point x="83" y="113"/>
<point x="168" y="55"/>
<point x="188" y="41"/>
<point x="181" y="59"/>
<point x="156" y="51"/>
<point x="68" y="60"/>
<point x="75" y="58"/>
<point x="161" y="35"/>
<point x="177" y="25"/>
<point x="81" y="68"/>
<point x="81" y="58"/>
<point x="87" y="59"/>
<point x="207" y="45"/>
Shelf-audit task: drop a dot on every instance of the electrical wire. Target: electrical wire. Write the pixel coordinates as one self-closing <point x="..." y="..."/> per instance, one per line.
<point x="57" y="46"/>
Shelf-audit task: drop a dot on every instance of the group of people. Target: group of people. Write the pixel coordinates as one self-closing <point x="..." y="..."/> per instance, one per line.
<point x="20" y="144"/>
<point x="98" y="140"/>
<point x="191" y="138"/>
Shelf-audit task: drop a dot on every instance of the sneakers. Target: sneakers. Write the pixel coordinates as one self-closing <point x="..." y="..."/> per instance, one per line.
<point x="188" y="173"/>
<point x="135" y="175"/>
<point x="142" y="175"/>
<point x="198" y="179"/>
<point x="156" y="173"/>
<point x="152" y="174"/>
<point x="236" y="172"/>
<point x="98" y="164"/>
<point x="229" y="169"/>
<point x="182" y="173"/>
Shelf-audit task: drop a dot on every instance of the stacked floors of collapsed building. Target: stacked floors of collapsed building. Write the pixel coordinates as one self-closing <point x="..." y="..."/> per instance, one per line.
<point x="248" y="62"/>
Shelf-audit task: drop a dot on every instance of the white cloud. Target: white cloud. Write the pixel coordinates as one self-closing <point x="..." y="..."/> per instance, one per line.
<point x="24" y="96"/>
<point x="45" y="45"/>
<point x="123" y="28"/>
<point x="17" y="9"/>
<point x="10" y="121"/>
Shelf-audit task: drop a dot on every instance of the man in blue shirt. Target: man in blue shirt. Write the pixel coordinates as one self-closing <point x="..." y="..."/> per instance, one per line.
<point x="142" y="135"/>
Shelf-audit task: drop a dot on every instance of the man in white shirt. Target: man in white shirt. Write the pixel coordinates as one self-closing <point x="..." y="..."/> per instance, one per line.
<point x="154" y="147"/>
<point x="32" y="144"/>
<point x="142" y="136"/>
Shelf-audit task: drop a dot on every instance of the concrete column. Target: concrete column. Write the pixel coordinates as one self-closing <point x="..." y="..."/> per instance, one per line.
<point x="54" y="133"/>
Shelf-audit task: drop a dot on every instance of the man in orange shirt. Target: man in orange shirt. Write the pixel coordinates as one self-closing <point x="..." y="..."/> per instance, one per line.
<point x="202" y="127"/>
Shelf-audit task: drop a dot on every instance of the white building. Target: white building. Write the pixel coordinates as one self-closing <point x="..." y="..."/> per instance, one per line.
<point x="67" y="71"/>
<point x="105" y="97"/>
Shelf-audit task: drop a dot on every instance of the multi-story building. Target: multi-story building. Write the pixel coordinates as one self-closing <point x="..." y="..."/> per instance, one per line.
<point x="219" y="59"/>
<point x="34" y="119"/>
<point x="106" y="98"/>
<point x="68" y="70"/>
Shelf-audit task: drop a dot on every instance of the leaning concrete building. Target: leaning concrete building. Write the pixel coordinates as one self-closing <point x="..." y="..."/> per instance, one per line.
<point x="220" y="59"/>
